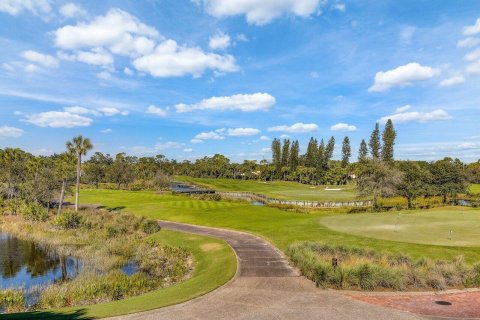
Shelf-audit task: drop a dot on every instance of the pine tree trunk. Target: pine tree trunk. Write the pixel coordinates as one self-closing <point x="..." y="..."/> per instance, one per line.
<point x="409" y="202"/>
<point x="77" y="187"/>
<point x="62" y="196"/>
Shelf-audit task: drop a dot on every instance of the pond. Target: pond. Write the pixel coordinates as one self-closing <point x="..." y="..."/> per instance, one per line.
<point x="25" y="264"/>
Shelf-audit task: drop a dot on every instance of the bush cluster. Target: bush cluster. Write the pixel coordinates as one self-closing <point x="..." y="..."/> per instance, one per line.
<point x="69" y="220"/>
<point x="363" y="269"/>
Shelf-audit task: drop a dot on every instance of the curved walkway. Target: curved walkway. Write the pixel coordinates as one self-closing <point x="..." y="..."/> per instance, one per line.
<point x="265" y="287"/>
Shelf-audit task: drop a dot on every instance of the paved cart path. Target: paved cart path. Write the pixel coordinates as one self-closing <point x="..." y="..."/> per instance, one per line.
<point x="265" y="287"/>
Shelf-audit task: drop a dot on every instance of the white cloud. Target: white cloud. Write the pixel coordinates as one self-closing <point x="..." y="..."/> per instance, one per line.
<point x="118" y="31"/>
<point x="104" y="75"/>
<point x="242" y="132"/>
<point x="472" y="30"/>
<point x="343" y="127"/>
<point x="284" y="136"/>
<point x="211" y="135"/>
<point x="264" y="138"/>
<point x="340" y="7"/>
<point x="97" y="57"/>
<point x="220" y="41"/>
<point x="57" y="119"/>
<point x="71" y="10"/>
<point x="468" y="42"/>
<point x="39" y="58"/>
<point x="473" y="55"/>
<point x="266" y="149"/>
<point x="156" y="111"/>
<point x="31" y="68"/>
<point x="474" y="68"/>
<point x="111" y="111"/>
<point x="403" y="108"/>
<point x="296" y="128"/>
<point x="314" y="75"/>
<point x="169" y="145"/>
<point x="452" y="81"/>
<point x="171" y="60"/>
<point x="242" y="102"/>
<point x="106" y="130"/>
<point x="402" y="76"/>
<point x="260" y="12"/>
<point x="81" y="110"/>
<point x="436" y="115"/>
<point x="15" y="7"/>
<point x="10" y="132"/>
<point x="187" y="150"/>
<point x="128" y="71"/>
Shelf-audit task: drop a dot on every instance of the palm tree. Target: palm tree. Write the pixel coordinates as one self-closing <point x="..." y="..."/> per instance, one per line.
<point x="79" y="146"/>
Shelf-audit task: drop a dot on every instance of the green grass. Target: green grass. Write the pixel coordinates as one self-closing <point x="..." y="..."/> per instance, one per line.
<point x="475" y="188"/>
<point x="280" y="227"/>
<point x="215" y="264"/>
<point x="426" y="227"/>
<point x="277" y="189"/>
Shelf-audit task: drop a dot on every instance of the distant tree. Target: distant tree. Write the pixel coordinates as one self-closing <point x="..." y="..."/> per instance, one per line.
<point x="346" y="152"/>
<point x="311" y="155"/>
<point x="320" y="160"/>
<point x="121" y="171"/>
<point x="285" y="152"/>
<point x="294" y="155"/>
<point x="388" y="138"/>
<point x="96" y="167"/>
<point x="363" y="152"/>
<point x="374" y="143"/>
<point x="79" y="146"/>
<point x="13" y="164"/>
<point x="277" y="154"/>
<point x="473" y="172"/>
<point x="329" y="148"/>
<point x="416" y="181"/>
<point x="449" y="178"/>
<point x="378" y="179"/>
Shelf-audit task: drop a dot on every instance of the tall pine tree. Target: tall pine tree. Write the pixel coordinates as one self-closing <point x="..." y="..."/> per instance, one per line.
<point x="311" y="155"/>
<point x="277" y="155"/>
<point x="294" y="151"/>
<point x="329" y="152"/>
<point x="285" y="152"/>
<point x="374" y="143"/>
<point x="363" y="151"/>
<point x="388" y="138"/>
<point x="346" y="152"/>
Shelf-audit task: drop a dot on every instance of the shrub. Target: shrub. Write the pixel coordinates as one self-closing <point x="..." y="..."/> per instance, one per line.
<point x="70" y="220"/>
<point x="150" y="226"/>
<point x="35" y="212"/>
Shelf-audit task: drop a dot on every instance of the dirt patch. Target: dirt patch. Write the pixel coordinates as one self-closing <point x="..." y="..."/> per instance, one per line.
<point x="211" y="246"/>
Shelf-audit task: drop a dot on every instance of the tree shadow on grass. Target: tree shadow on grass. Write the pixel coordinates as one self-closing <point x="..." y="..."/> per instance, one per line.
<point x="73" y="315"/>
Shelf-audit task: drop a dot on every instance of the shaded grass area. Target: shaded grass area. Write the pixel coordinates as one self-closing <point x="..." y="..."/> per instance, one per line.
<point x="280" y="227"/>
<point x="277" y="189"/>
<point x="454" y="226"/>
<point x="214" y="265"/>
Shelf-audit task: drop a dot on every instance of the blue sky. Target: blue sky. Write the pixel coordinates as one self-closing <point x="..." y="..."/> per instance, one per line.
<point x="193" y="78"/>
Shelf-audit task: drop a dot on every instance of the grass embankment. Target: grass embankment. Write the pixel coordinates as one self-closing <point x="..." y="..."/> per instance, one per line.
<point x="280" y="227"/>
<point x="277" y="189"/>
<point x="214" y="264"/>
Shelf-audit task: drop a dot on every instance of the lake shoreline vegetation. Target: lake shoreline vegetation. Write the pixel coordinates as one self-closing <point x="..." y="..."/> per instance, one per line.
<point x="105" y="242"/>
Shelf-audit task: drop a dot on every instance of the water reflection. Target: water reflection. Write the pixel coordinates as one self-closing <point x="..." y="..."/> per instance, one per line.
<point x="24" y="264"/>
